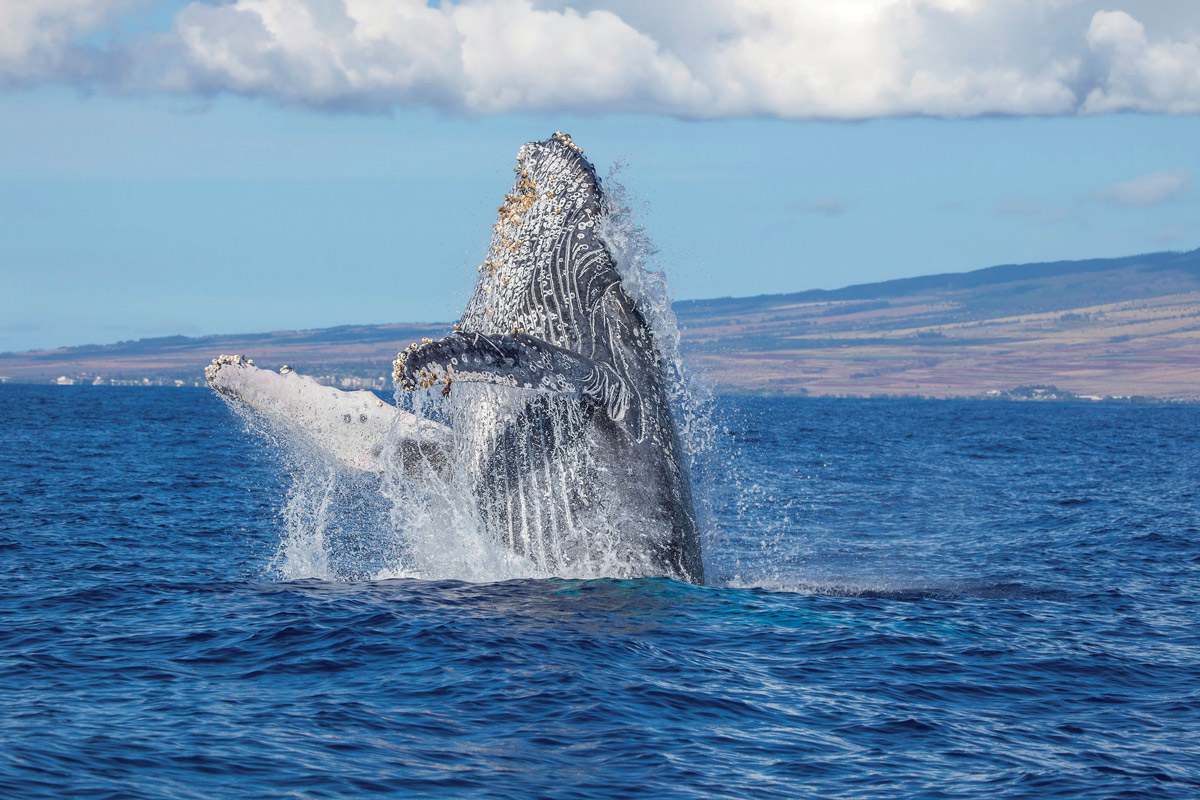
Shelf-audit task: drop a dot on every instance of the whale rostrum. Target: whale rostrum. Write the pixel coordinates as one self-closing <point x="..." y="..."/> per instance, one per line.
<point x="560" y="420"/>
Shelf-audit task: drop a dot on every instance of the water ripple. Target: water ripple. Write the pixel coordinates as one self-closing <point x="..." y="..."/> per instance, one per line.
<point x="925" y="599"/>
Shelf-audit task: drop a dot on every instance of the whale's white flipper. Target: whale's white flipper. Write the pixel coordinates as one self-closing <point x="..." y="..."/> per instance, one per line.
<point x="351" y="427"/>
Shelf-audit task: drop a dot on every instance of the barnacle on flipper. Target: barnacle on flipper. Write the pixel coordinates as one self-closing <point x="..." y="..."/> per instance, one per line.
<point x="210" y="372"/>
<point x="398" y="367"/>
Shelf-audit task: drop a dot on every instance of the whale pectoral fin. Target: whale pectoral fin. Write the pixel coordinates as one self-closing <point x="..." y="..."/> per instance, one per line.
<point x="353" y="428"/>
<point x="518" y="360"/>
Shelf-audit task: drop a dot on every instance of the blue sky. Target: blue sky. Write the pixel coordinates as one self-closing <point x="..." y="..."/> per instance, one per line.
<point x="147" y="191"/>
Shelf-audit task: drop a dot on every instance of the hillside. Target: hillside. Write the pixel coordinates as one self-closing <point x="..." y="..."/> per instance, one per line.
<point x="1122" y="326"/>
<point x="359" y="351"/>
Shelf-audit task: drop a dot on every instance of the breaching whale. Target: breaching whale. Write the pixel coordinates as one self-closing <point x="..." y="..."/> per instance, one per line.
<point x="561" y="424"/>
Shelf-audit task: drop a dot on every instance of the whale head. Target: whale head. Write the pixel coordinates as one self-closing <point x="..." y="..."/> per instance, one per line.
<point x="546" y="268"/>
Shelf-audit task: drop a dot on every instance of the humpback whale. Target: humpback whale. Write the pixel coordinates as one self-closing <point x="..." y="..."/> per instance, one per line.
<point x="560" y="425"/>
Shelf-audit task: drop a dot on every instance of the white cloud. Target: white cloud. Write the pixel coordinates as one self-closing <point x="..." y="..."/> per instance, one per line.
<point x="1161" y="76"/>
<point x="474" y="57"/>
<point x="1147" y="190"/>
<point x="39" y="39"/>
<point x="797" y="59"/>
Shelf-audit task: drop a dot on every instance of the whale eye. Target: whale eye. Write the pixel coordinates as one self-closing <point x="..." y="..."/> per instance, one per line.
<point x="362" y="417"/>
<point x="345" y="417"/>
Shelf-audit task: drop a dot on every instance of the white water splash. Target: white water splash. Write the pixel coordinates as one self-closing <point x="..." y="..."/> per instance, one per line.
<point x="552" y="517"/>
<point x="644" y="278"/>
<point x="689" y="391"/>
<point x="333" y="521"/>
<point x="558" y="518"/>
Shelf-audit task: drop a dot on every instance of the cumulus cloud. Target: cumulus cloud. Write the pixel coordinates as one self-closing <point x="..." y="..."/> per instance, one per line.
<point x="39" y="39"/>
<point x="1147" y="190"/>
<point x="1142" y="75"/>
<point x="795" y="59"/>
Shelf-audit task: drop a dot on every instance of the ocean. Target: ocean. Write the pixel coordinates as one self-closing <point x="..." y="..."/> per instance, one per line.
<point x="907" y="598"/>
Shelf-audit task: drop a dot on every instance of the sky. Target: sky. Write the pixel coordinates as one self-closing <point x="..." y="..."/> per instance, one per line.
<point x="201" y="167"/>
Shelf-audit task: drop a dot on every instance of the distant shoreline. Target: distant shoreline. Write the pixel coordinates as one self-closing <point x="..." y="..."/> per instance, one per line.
<point x="997" y="398"/>
<point x="1104" y="328"/>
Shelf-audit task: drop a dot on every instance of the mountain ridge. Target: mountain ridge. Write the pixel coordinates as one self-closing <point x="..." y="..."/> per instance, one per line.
<point x="1126" y="325"/>
<point x="974" y="278"/>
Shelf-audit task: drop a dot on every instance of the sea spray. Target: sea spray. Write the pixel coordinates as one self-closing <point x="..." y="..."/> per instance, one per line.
<point x="708" y="442"/>
<point x="333" y="523"/>
<point x="644" y="278"/>
<point x="533" y="504"/>
<point x="437" y="518"/>
<point x="522" y="492"/>
<point x="689" y="390"/>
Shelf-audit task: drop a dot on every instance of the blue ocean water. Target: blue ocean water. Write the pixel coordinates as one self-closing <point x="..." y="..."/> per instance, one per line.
<point x="909" y="599"/>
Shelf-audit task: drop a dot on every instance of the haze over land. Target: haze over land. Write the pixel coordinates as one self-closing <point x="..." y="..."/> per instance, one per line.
<point x="1119" y="327"/>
